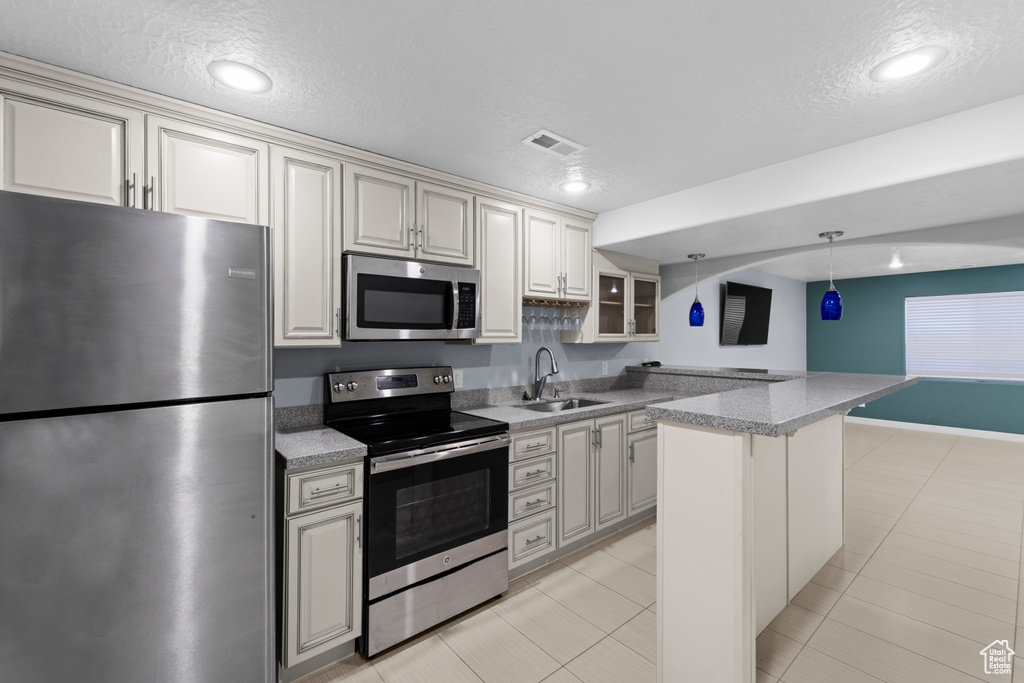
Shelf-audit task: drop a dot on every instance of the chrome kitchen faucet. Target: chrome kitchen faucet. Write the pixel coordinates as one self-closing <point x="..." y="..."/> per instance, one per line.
<point x="538" y="381"/>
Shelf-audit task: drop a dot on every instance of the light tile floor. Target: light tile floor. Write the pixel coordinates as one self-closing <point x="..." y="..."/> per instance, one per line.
<point x="929" y="575"/>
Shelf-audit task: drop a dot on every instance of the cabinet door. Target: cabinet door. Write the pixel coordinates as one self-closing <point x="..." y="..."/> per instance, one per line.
<point x="542" y="253"/>
<point x="307" y="248"/>
<point x="645" y="298"/>
<point x="499" y="257"/>
<point x="206" y="172"/>
<point x="379" y="212"/>
<point x="612" y="322"/>
<point x="575" y="482"/>
<point x="610" y="483"/>
<point x="445" y="218"/>
<point x="643" y="471"/>
<point x="323" y="581"/>
<point x="72" y="149"/>
<point x="576" y="259"/>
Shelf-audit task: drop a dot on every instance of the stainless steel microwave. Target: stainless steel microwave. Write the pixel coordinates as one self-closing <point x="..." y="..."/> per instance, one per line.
<point x="390" y="299"/>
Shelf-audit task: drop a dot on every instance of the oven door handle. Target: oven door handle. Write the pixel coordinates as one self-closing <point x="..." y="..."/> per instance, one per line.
<point x="428" y="455"/>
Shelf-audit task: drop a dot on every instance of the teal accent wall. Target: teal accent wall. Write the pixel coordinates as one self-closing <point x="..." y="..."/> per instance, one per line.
<point x="871" y="339"/>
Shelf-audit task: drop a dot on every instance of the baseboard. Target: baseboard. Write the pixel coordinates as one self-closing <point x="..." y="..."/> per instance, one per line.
<point x="958" y="431"/>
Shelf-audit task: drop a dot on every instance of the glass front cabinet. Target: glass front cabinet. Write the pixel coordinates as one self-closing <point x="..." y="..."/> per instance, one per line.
<point x="627" y="302"/>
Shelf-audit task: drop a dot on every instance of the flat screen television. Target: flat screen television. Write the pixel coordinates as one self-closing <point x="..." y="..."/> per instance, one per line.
<point x="745" y="313"/>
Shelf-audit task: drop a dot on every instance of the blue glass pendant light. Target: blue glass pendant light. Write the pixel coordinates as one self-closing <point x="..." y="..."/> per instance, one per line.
<point x="831" y="303"/>
<point x="696" y="310"/>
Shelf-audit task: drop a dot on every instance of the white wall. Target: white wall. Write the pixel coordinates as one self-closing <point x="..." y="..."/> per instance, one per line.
<point x="684" y="345"/>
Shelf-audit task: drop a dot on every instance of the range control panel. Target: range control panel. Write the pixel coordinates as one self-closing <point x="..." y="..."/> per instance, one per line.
<point x="366" y="384"/>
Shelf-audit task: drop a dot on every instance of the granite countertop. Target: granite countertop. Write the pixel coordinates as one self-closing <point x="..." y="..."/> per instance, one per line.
<point x="315" y="445"/>
<point x="725" y="373"/>
<point x="617" y="401"/>
<point x="781" y="407"/>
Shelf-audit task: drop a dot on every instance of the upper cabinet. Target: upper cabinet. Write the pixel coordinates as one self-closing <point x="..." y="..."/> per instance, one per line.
<point x="199" y="171"/>
<point x="499" y="257"/>
<point x="307" y="248"/>
<point x="393" y="215"/>
<point x="70" y="147"/>
<point x="627" y="301"/>
<point x="557" y="254"/>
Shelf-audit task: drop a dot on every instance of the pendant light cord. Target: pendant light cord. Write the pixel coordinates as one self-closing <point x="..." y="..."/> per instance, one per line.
<point x="830" y="261"/>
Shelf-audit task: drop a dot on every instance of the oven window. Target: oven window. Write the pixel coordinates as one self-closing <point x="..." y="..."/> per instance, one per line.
<point x="436" y="513"/>
<point x="401" y="303"/>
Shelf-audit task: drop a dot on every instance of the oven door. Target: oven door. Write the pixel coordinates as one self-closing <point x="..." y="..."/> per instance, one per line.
<point x="434" y="510"/>
<point x="388" y="299"/>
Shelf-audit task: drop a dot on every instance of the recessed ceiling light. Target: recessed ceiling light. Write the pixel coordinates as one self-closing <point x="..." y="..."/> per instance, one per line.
<point x="896" y="262"/>
<point x="575" y="186"/>
<point x="240" y="76"/>
<point x="907" y="64"/>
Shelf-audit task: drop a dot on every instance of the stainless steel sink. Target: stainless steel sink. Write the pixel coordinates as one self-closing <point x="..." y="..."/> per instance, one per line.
<point x="566" y="404"/>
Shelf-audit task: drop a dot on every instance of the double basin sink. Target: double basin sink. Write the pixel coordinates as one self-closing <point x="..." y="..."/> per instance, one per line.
<point x="559" y="405"/>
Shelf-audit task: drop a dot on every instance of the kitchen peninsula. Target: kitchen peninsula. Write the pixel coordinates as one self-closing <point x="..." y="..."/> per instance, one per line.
<point x="750" y="497"/>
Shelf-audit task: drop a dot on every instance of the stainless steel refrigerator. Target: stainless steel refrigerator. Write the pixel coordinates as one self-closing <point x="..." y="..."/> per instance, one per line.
<point x="136" y="446"/>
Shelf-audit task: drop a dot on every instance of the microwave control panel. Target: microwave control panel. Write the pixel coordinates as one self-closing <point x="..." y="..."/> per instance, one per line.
<point x="467" y="305"/>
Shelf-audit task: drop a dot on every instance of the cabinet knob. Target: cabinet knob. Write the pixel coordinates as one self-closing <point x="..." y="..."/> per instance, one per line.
<point x="352" y="386"/>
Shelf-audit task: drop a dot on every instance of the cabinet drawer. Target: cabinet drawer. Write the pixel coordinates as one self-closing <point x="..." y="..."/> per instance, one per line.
<point x="638" y="421"/>
<point x="531" y="472"/>
<point x="529" y="444"/>
<point x="328" y="486"/>
<point x="531" y="538"/>
<point x="531" y="501"/>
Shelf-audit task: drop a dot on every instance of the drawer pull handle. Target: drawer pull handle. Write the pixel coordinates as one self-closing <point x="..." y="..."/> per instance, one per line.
<point x="535" y="445"/>
<point x="531" y="541"/>
<point x="534" y="502"/>
<point x="535" y="473"/>
<point x="321" y="492"/>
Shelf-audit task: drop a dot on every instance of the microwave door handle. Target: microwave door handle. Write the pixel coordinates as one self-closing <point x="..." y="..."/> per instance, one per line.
<point x="454" y="294"/>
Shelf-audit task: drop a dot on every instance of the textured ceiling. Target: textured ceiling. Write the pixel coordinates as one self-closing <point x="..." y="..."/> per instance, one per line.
<point x="666" y="95"/>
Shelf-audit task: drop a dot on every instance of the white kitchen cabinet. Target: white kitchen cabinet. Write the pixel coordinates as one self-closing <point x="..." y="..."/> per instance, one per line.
<point x="323" y="576"/>
<point x="642" y="473"/>
<point x="575" y="481"/>
<point x="61" y="145"/>
<point x="392" y="215"/>
<point x="610" y="469"/>
<point x="200" y="171"/>
<point x="499" y="257"/>
<point x="627" y="301"/>
<point x="307" y="248"/>
<point x="577" y="255"/>
<point x="557" y="253"/>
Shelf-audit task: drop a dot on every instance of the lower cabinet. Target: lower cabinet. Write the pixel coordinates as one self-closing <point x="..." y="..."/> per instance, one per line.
<point x="322" y="569"/>
<point x="642" y="478"/>
<point x="573" y="480"/>
<point x="591" y="476"/>
<point x="532" y="496"/>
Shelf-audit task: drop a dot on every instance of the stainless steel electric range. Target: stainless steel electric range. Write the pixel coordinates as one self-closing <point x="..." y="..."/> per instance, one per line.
<point x="435" y="526"/>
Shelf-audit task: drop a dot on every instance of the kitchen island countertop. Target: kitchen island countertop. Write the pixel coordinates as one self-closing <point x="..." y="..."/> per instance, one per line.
<point x="780" y="407"/>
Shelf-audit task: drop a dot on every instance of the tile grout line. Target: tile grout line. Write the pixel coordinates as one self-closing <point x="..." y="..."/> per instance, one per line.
<point x="857" y="573"/>
<point x="944" y="457"/>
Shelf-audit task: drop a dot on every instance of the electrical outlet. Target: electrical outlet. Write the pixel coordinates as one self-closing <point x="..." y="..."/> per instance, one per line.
<point x="457" y="378"/>
<point x="604" y="368"/>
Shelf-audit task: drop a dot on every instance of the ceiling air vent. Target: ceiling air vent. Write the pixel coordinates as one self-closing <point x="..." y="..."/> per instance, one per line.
<point x="546" y="141"/>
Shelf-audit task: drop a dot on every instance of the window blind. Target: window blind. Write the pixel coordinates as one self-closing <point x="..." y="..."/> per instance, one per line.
<point x="966" y="336"/>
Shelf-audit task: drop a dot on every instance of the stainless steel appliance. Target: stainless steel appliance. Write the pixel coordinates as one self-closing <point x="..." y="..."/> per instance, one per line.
<point x="135" y="445"/>
<point x="389" y="299"/>
<point x="436" y="499"/>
